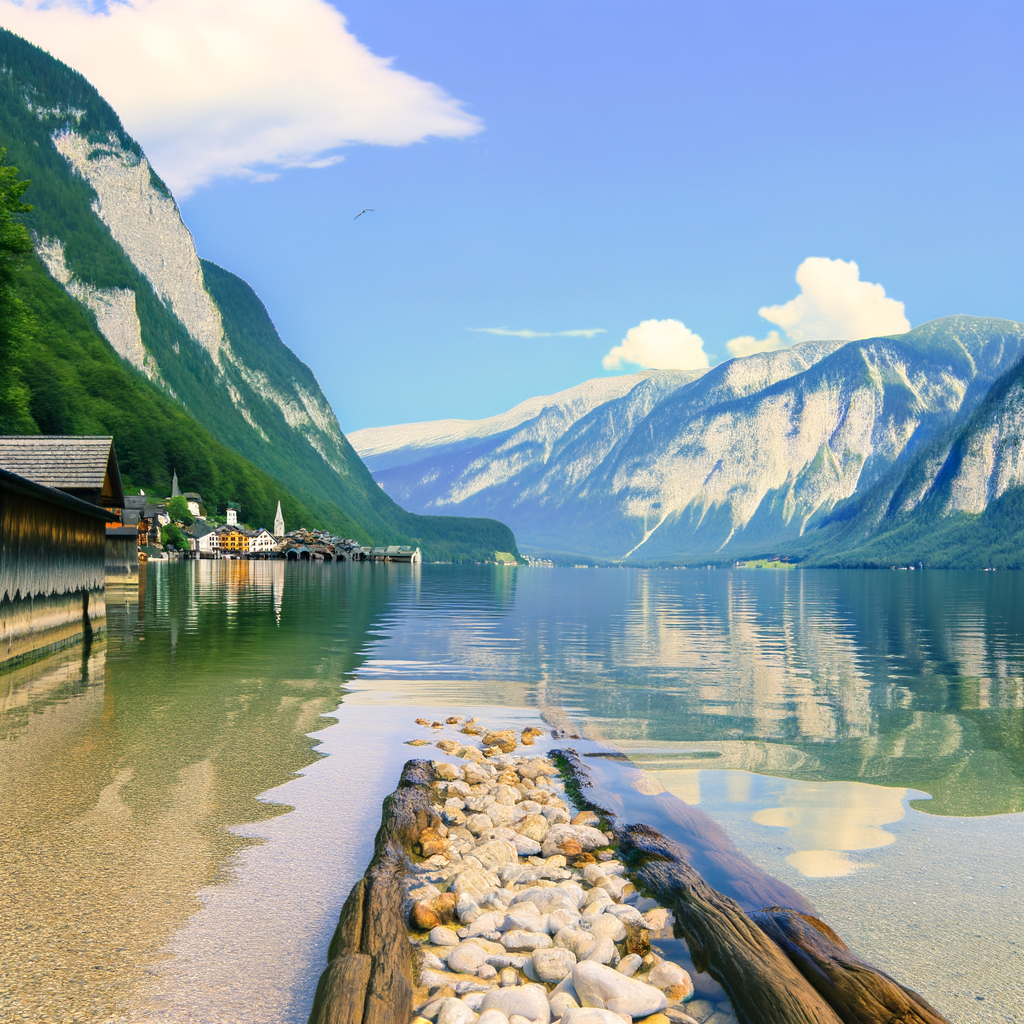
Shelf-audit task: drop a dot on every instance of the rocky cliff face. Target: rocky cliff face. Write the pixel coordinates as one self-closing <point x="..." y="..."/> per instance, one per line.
<point x="108" y="230"/>
<point x="745" y="457"/>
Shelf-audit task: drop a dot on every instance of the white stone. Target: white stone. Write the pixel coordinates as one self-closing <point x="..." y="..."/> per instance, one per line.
<point x="477" y="823"/>
<point x="525" y="917"/>
<point x="561" y="1002"/>
<point x="559" y="919"/>
<point x="657" y="919"/>
<point x="604" y="952"/>
<point x="666" y="974"/>
<point x="529" y="1001"/>
<point x="492" y="1017"/>
<point x="607" y="926"/>
<point x="496" y="853"/>
<point x="467" y="958"/>
<point x="546" y="900"/>
<point x="442" y="936"/>
<point x="455" y="1011"/>
<point x="590" y="1015"/>
<point x="588" y="838"/>
<point x="601" y="986"/>
<point x="577" y="940"/>
<point x="474" y="880"/>
<point x="550" y="965"/>
<point x="517" y="940"/>
<point x="485" y="924"/>
<point x="630" y="964"/>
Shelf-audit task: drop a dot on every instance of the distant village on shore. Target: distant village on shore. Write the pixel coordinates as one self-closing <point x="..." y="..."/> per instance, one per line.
<point x="181" y="526"/>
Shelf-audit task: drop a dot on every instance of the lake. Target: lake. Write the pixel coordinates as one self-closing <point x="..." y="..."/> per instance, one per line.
<point x="184" y="807"/>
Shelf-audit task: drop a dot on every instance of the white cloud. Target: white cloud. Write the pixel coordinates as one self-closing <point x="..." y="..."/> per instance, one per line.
<point x="583" y="332"/>
<point x="217" y="88"/>
<point x="659" y="344"/>
<point x="748" y="345"/>
<point x="834" y="304"/>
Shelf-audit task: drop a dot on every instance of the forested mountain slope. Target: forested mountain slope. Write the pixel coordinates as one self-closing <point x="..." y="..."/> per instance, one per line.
<point x="109" y="232"/>
<point x="746" y="458"/>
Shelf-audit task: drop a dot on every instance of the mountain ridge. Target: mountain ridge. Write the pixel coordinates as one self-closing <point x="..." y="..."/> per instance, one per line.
<point x="745" y="458"/>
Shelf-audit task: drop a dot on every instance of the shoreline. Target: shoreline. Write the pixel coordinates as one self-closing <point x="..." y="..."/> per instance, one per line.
<point x="518" y="910"/>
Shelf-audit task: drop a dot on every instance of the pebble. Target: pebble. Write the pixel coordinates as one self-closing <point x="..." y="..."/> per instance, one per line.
<point x="670" y="976"/>
<point x="517" y="940"/>
<point x="629" y="965"/>
<point x="455" y="1011"/>
<point x="550" y="965"/>
<point x="467" y="958"/>
<point x="499" y="900"/>
<point x="598" y="985"/>
<point x="590" y="1015"/>
<point x="529" y="1001"/>
<point x="442" y="936"/>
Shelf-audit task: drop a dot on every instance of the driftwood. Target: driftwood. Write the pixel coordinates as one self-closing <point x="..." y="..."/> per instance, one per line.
<point x="857" y="991"/>
<point x="369" y="977"/>
<point x="778" y="966"/>
<point x="762" y="983"/>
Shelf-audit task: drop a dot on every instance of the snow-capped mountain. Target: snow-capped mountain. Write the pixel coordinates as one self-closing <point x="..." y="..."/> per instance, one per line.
<point x="743" y="457"/>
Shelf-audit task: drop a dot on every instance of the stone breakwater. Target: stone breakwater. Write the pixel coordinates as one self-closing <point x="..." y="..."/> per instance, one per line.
<point x="520" y="911"/>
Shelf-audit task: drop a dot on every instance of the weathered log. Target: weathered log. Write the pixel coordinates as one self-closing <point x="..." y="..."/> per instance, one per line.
<point x="760" y="980"/>
<point x="778" y="964"/>
<point x="369" y="979"/>
<point x="859" y="993"/>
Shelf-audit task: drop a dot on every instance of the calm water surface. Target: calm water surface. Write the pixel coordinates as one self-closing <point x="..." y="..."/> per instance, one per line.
<point x="176" y="847"/>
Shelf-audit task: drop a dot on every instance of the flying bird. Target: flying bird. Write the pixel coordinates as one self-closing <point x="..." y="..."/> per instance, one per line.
<point x="361" y="212"/>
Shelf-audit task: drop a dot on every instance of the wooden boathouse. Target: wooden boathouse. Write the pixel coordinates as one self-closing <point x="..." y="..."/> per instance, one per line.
<point x="57" y="497"/>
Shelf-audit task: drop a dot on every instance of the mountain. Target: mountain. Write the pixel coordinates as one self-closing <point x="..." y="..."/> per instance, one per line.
<point x="753" y="456"/>
<point x="109" y="232"/>
<point x="959" y="503"/>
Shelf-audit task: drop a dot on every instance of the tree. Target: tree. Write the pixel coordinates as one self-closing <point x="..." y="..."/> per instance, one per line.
<point x="15" y="248"/>
<point x="171" y="535"/>
<point x="177" y="508"/>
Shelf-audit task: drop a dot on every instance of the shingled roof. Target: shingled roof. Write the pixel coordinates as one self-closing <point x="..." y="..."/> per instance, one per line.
<point x="85" y="467"/>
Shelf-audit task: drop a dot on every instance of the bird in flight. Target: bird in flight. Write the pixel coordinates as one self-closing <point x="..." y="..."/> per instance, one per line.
<point x="361" y="212"/>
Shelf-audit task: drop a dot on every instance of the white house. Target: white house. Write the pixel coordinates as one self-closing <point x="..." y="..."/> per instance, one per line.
<point x="205" y="538"/>
<point x="262" y="540"/>
<point x="232" y="516"/>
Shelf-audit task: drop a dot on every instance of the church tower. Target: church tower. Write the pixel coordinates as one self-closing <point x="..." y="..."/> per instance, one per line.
<point x="174" y="486"/>
<point x="279" y="522"/>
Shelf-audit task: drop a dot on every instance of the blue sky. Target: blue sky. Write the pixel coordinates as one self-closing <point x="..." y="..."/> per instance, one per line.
<point x="638" y="161"/>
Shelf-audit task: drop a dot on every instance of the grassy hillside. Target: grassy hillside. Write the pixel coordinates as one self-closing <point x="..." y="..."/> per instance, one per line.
<point x="40" y="97"/>
<point x="75" y="384"/>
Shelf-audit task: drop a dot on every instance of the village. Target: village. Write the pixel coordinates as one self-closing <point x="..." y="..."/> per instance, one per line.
<point x="69" y="534"/>
<point x="180" y="526"/>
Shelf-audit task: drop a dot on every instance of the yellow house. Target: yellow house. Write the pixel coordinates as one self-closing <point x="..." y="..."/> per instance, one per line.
<point x="234" y="540"/>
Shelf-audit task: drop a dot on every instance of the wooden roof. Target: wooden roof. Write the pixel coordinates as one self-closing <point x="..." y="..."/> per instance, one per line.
<point x="83" y="466"/>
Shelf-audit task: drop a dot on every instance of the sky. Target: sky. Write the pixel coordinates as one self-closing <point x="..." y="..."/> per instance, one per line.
<point x="560" y="191"/>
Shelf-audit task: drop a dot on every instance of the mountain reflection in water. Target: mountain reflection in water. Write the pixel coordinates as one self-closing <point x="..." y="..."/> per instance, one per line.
<point x="803" y="710"/>
<point x="908" y="680"/>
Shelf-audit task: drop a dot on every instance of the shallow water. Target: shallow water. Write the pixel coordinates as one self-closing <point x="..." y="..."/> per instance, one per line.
<point x="859" y="734"/>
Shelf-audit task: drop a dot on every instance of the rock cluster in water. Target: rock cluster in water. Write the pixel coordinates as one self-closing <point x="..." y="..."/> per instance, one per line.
<point x="519" y="911"/>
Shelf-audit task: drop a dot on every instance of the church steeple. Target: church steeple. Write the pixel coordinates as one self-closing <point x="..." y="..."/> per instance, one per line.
<point x="279" y="522"/>
<point x="175" y="493"/>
